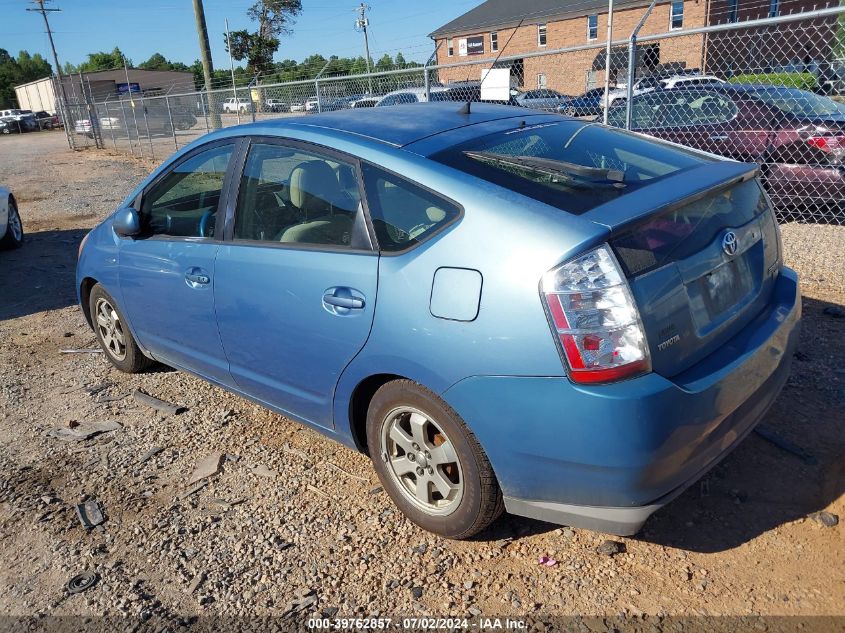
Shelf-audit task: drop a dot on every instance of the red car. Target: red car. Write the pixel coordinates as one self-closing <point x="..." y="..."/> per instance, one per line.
<point x="796" y="136"/>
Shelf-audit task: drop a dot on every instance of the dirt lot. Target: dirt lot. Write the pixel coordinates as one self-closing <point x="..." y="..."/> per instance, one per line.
<point x="296" y="524"/>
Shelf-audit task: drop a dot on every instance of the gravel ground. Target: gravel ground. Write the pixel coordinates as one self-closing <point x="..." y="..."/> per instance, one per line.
<point x="294" y="524"/>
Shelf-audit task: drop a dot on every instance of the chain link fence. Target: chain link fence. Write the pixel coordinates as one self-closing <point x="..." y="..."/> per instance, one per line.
<point x="769" y="91"/>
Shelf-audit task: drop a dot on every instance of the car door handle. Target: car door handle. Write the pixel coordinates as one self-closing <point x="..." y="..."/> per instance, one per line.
<point x="350" y="303"/>
<point x="198" y="278"/>
<point x="718" y="137"/>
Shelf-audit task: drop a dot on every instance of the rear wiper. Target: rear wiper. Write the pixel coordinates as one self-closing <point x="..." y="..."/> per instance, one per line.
<point x="554" y="168"/>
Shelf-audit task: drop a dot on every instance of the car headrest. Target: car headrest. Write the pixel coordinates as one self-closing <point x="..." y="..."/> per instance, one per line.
<point x="314" y="188"/>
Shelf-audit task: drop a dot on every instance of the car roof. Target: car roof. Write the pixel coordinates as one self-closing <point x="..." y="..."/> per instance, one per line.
<point x="416" y="90"/>
<point x="397" y="125"/>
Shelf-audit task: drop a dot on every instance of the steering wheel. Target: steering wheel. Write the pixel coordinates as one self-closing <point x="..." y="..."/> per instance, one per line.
<point x="208" y="215"/>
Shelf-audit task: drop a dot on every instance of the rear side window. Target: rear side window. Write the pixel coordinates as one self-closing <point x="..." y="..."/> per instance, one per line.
<point x="571" y="165"/>
<point x="184" y="202"/>
<point x="403" y="214"/>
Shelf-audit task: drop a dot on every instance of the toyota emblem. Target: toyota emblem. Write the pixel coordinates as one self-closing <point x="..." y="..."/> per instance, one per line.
<point x="729" y="243"/>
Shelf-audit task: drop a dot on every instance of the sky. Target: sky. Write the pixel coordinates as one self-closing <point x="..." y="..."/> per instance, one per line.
<point x="142" y="27"/>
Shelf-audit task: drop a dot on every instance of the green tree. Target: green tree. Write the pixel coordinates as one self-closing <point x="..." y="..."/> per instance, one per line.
<point x="14" y="72"/>
<point x="103" y="61"/>
<point x="157" y="61"/>
<point x="274" y="18"/>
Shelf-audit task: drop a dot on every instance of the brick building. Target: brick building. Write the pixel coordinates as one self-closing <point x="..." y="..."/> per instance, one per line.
<point x="532" y="26"/>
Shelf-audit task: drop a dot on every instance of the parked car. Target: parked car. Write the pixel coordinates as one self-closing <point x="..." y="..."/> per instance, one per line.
<point x="364" y="102"/>
<point x="408" y="95"/>
<point x="797" y="136"/>
<point x="233" y="105"/>
<point x="276" y="105"/>
<point x="470" y="92"/>
<point x="311" y="104"/>
<point x="627" y="322"/>
<point x="46" y="121"/>
<point x="541" y="99"/>
<point x="11" y="227"/>
<point x="8" y="125"/>
<point x="84" y="127"/>
<point x="297" y="106"/>
<point x="656" y="82"/>
<point x="591" y="103"/>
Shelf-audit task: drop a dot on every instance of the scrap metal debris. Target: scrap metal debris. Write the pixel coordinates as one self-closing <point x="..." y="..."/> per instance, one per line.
<point x="262" y="471"/>
<point x="611" y="548"/>
<point x="827" y="519"/>
<point x="196" y="582"/>
<point x="206" y="467"/>
<point x="80" y="351"/>
<point x="346" y="472"/>
<point x="786" y="445"/>
<point x="155" y="450"/>
<point x="159" y="405"/>
<point x="83" y="431"/>
<point x="90" y="514"/>
<point x="81" y="582"/>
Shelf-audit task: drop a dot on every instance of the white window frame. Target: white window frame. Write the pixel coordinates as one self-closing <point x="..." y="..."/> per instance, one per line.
<point x="542" y="34"/>
<point x="494" y="41"/>
<point x="672" y="15"/>
<point x="542" y="83"/>
<point x="450" y="51"/>
<point x="589" y="28"/>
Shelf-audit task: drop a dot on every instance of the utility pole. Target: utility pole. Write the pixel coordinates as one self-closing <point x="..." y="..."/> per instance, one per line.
<point x="607" y="61"/>
<point x="205" y="56"/>
<point x="361" y="24"/>
<point x="232" y="67"/>
<point x="66" y="122"/>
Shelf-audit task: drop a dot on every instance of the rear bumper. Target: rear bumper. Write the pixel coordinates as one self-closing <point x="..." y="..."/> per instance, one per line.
<point x="805" y="185"/>
<point x="606" y="457"/>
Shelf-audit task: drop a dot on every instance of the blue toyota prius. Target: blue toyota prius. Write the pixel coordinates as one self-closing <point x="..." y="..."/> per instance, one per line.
<point x="506" y="309"/>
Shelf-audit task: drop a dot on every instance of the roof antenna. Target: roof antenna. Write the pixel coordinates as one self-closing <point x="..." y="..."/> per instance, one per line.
<point x="465" y="109"/>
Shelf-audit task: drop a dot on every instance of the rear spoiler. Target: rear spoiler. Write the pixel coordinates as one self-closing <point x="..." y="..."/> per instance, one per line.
<point x="672" y="192"/>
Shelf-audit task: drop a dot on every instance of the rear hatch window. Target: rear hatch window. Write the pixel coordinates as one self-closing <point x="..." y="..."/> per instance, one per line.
<point x="571" y="165"/>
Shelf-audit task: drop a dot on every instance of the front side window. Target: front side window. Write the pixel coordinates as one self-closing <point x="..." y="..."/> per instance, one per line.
<point x="289" y="195"/>
<point x="571" y="165"/>
<point x="494" y="41"/>
<point x="592" y="27"/>
<point x="403" y="213"/>
<point x="403" y="97"/>
<point x="184" y="202"/>
<point x="541" y="34"/>
<point x="449" y="50"/>
<point x="676" y="17"/>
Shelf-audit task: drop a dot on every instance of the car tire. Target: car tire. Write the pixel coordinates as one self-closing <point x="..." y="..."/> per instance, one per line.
<point x="113" y="334"/>
<point x="13" y="237"/>
<point x="411" y="434"/>
<point x="570" y="111"/>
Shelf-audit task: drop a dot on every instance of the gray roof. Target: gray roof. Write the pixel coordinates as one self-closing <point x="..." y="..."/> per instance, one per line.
<point x="508" y="13"/>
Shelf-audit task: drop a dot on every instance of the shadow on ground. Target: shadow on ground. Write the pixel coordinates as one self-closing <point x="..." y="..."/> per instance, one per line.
<point x="760" y="486"/>
<point x="40" y="275"/>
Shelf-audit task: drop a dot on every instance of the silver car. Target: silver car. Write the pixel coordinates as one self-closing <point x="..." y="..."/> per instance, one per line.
<point x="11" y="227"/>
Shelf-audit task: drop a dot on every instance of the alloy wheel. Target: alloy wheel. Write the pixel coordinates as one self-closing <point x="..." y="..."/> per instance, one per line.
<point x="110" y="329"/>
<point x="422" y="461"/>
<point x="15" y="225"/>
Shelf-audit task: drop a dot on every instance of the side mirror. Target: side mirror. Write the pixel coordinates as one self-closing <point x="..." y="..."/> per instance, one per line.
<point x="127" y="222"/>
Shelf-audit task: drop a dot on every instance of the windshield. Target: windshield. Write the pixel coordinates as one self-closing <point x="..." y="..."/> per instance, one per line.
<point x="799" y="102"/>
<point x="572" y="165"/>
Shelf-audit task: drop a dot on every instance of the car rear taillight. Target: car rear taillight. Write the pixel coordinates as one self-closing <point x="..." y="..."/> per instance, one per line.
<point x="593" y="315"/>
<point x="834" y="145"/>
